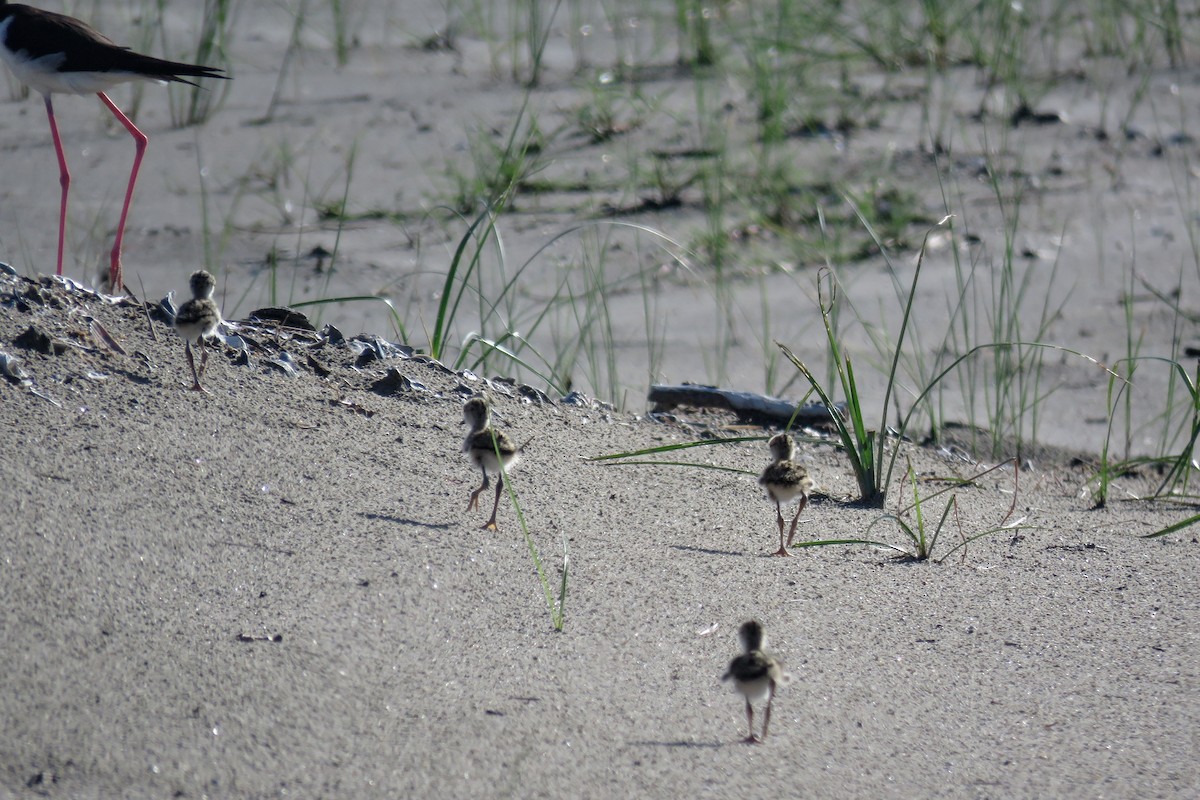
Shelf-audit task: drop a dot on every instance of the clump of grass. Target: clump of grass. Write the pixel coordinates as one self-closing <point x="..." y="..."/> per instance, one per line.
<point x="863" y="445"/>
<point x="696" y="45"/>
<point x="917" y="525"/>
<point x="508" y="319"/>
<point x="194" y="105"/>
<point x="913" y="520"/>
<point x="1175" y="460"/>
<point x="343" y="39"/>
<point x="299" y="20"/>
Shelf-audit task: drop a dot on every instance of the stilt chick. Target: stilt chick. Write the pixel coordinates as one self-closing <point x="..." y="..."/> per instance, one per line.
<point x="785" y="480"/>
<point x="756" y="675"/>
<point x="196" y="320"/>
<point x="489" y="449"/>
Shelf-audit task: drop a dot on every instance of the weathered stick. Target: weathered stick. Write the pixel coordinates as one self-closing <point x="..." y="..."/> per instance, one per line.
<point x="770" y="408"/>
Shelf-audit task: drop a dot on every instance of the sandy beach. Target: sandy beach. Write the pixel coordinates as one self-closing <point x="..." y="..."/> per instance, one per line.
<point x="274" y="589"/>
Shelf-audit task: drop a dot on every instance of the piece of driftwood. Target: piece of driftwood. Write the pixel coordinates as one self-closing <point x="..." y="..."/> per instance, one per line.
<point x="770" y="409"/>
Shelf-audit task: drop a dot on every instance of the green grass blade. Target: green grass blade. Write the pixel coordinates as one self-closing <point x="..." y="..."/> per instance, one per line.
<point x="1178" y="526"/>
<point x="868" y="542"/>
<point x="450" y="299"/>
<point x="668" y="448"/>
<point x="694" y="464"/>
<point x="557" y="616"/>
<point x="861" y="474"/>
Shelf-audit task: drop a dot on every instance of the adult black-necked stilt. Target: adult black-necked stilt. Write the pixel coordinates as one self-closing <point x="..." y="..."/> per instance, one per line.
<point x="51" y="53"/>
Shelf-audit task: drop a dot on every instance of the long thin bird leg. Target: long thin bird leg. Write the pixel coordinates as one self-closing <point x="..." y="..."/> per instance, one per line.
<point x="474" y="501"/>
<point x="795" y="519"/>
<point x="196" y="387"/>
<point x="782" y="551"/>
<point x="204" y="364"/>
<point x="140" y="141"/>
<point x="750" y="723"/>
<point x="64" y="180"/>
<point x="491" y="523"/>
<point x="767" y="713"/>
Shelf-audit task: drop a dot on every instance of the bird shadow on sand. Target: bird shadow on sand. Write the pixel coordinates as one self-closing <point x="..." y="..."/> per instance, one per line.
<point x="706" y="551"/>
<point x="678" y="743"/>
<point x="412" y="523"/>
<point x="134" y="377"/>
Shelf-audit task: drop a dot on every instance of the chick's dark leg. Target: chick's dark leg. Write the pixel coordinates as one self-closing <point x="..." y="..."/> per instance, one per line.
<point x="473" y="503"/>
<point x="491" y="523"/>
<point x="767" y="713"/>
<point x="196" y="387"/>
<point x="750" y="723"/>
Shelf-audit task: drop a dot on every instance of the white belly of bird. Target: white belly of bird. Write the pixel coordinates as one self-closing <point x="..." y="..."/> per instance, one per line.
<point x="193" y="331"/>
<point x="784" y="494"/>
<point x="487" y="459"/>
<point x="757" y="690"/>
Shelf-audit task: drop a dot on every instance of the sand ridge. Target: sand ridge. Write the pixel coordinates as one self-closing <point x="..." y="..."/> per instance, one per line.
<point x="276" y="588"/>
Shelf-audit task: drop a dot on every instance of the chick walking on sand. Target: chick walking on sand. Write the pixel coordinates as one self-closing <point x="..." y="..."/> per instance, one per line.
<point x="756" y="675"/>
<point x="196" y="320"/>
<point x="785" y="480"/>
<point x="490" y="450"/>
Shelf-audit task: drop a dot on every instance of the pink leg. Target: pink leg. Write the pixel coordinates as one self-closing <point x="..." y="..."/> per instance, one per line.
<point x="64" y="180"/>
<point x="782" y="551"/>
<point x="140" y="141"/>
<point x="795" y="519"/>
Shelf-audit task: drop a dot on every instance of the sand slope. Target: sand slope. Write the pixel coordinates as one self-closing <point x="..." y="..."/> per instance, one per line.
<point x="147" y="527"/>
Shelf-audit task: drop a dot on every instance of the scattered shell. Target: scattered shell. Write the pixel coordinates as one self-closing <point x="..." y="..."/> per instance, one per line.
<point x="332" y="335"/>
<point x="10" y="367"/>
<point x="320" y="369"/>
<point x="365" y="357"/>
<point x="578" y="398"/>
<point x="284" y="317"/>
<point x="166" y="307"/>
<point x="103" y="335"/>
<point x="233" y="341"/>
<point x="379" y="348"/>
<point x="353" y="406"/>
<point x="581" y="400"/>
<point x="534" y="395"/>
<point x="393" y="383"/>
<point x="286" y="363"/>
